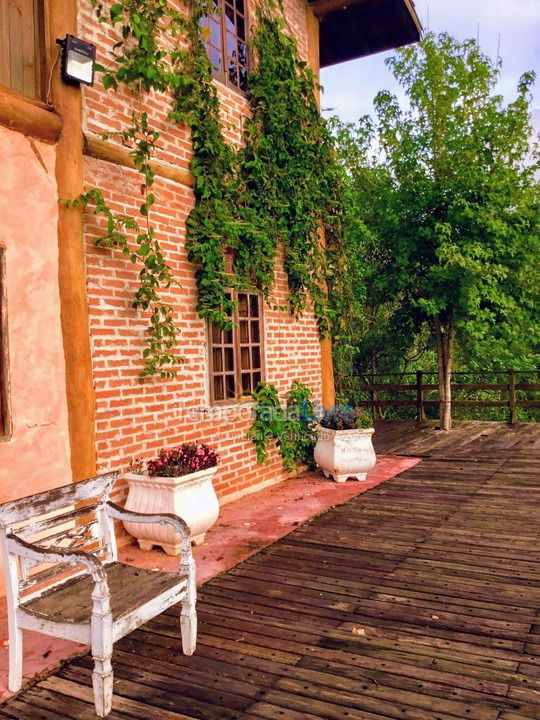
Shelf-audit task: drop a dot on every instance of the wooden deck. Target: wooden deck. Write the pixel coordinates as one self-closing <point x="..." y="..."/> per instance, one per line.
<point x="466" y="439"/>
<point x="417" y="600"/>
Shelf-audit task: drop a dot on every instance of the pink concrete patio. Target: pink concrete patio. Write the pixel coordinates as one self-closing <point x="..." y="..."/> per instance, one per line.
<point x="245" y="526"/>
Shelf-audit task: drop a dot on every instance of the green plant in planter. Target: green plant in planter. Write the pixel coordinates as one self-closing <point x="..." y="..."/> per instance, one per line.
<point x="346" y="418"/>
<point x="292" y="427"/>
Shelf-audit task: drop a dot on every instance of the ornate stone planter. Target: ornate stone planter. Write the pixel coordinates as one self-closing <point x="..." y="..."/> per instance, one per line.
<point x="192" y="497"/>
<point x="342" y="454"/>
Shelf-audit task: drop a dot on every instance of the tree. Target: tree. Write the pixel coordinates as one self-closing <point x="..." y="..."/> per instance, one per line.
<point x="460" y="235"/>
<point x="373" y="331"/>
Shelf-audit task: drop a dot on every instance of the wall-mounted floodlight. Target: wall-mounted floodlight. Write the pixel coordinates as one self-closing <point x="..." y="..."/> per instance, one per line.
<point x="77" y="60"/>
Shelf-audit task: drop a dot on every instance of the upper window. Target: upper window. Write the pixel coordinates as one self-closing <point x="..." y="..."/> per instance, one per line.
<point x="21" y="46"/>
<point x="225" y="41"/>
<point x="4" y="420"/>
<point x="236" y="355"/>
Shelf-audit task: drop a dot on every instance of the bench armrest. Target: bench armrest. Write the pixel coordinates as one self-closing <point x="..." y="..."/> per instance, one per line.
<point x="120" y="513"/>
<point x="18" y="546"/>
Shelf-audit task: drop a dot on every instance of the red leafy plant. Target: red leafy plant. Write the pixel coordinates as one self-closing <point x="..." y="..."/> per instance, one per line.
<point x="182" y="460"/>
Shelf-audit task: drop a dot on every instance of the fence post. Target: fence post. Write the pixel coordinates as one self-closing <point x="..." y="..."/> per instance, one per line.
<point x="420" y="396"/>
<point x="373" y="396"/>
<point x="512" y="395"/>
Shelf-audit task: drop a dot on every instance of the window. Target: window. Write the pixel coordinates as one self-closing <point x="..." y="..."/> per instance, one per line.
<point x="21" y="46"/>
<point x="236" y="355"/>
<point x="226" y="42"/>
<point x="4" y="419"/>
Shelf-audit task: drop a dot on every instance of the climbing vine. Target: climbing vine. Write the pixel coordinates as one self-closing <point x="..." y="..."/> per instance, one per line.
<point x="278" y="190"/>
<point x="291" y="427"/>
<point x="159" y="356"/>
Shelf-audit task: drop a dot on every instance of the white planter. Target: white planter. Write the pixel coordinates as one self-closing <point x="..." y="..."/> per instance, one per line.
<point x="192" y="497"/>
<point x="345" y="453"/>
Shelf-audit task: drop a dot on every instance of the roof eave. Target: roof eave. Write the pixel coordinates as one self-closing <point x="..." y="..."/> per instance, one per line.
<point x="355" y="28"/>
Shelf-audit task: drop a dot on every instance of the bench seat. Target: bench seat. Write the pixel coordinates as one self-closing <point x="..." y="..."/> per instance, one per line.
<point x="130" y="587"/>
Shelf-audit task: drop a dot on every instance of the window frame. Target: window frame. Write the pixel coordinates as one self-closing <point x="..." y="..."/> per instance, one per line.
<point x="239" y="398"/>
<point x="5" y="415"/>
<point x="222" y="75"/>
<point x="40" y="45"/>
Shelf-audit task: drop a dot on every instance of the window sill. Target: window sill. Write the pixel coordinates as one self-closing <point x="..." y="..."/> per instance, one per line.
<point x="233" y="88"/>
<point x="27" y="116"/>
<point x="248" y="403"/>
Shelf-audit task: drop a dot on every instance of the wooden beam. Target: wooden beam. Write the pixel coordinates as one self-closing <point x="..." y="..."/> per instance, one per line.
<point x="312" y="26"/>
<point x="409" y="4"/>
<point x="95" y="147"/>
<point x="29" y="117"/>
<point x="327" y="365"/>
<point x="71" y="254"/>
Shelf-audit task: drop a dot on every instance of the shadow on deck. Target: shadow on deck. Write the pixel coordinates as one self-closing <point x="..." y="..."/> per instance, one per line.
<point x="417" y="600"/>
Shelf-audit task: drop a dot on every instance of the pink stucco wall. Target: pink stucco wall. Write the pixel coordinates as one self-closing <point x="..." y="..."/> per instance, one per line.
<point x="36" y="457"/>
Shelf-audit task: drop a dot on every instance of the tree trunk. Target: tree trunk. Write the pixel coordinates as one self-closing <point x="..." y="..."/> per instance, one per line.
<point x="444" y="336"/>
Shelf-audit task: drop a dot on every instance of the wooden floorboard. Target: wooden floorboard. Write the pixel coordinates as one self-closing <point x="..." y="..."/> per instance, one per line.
<point x="418" y="600"/>
<point x="477" y="439"/>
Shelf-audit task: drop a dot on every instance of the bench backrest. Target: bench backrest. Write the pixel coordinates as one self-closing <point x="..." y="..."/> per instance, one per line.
<point x="71" y="517"/>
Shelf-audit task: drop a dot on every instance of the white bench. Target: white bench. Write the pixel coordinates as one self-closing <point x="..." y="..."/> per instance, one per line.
<point x="63" y="577"/>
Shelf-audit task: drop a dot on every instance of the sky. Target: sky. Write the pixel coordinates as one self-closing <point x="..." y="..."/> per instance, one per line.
<point x="513" y="25"/>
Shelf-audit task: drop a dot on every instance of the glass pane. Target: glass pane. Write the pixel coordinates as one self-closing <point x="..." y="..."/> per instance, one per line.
<point x="229" y="359"/>
<point x="233" y="73"/>
<point x="227" y="337"/>
<point x="242" y="305"/>
<point x="245" y="363"/>
<point x="244" y="332"/>
<point x="242" y="59"/>
<point x="215" y="38"/>
<point x="229" y="19"/>
<point x="246" y="383"/>
<point x="255" y="334"/>
<point x="239" y="6"/>
<point x="243" y="82"/>
<point x="254" y="305"/>
<point x="217" y="359"/>
<point x="215" y="58"/>
<point x="231" y="390"/>
<point x="218" y="388"/>
<point x="240" y="28"/>
<point x="255" y="357"/>
<point x="232" y="46"/>
<point x="256" y="379"/>
<point x="216" y="335"/>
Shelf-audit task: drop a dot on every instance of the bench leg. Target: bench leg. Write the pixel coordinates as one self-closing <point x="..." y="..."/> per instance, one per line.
<point x="102" y="682"/>
<point x="188" y="627"/>
<point x="15" y="659"/>
<point x="102" y="677"/>
<point x="188" y="613"/>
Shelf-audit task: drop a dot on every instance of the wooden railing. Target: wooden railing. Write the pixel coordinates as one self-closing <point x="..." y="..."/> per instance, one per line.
<point x="419" y="388"/>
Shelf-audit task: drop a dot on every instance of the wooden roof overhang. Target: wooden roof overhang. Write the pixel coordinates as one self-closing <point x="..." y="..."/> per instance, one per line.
<point x="351" y="29"/>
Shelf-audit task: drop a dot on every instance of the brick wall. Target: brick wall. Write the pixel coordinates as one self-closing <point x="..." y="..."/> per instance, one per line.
<point x="137" y="419"/>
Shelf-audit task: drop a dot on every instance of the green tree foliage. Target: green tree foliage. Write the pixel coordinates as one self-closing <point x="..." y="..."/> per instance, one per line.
<point x="373" y="330"/>
<point x="457" y="222"/>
